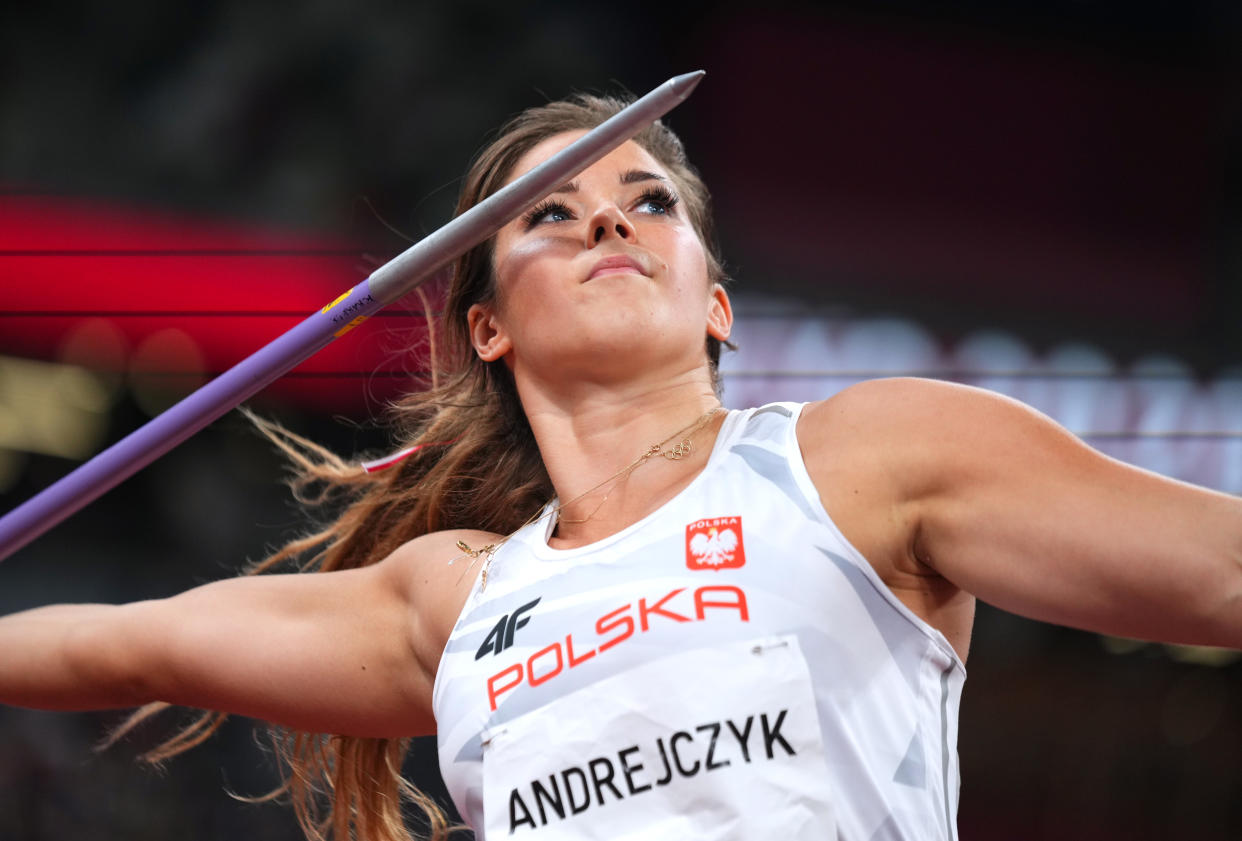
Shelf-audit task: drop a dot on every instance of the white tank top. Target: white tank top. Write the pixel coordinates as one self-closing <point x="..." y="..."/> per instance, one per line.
<point x="730" y="667"/>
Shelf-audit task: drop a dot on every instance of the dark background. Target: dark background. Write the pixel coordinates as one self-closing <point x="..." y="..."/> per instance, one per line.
<point x="1059" y="170"/>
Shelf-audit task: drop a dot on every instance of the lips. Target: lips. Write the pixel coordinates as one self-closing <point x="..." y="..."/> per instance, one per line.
<point x="618" y="264"/>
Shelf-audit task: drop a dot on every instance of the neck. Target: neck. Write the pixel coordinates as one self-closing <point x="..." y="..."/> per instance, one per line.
<point x="593" y="447"/>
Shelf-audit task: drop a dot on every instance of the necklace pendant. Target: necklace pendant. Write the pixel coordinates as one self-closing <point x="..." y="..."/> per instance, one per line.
<point x="679" y="451"/>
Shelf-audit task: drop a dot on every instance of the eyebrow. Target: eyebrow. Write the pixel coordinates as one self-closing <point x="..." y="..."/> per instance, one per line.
<point x="630" y="176"/>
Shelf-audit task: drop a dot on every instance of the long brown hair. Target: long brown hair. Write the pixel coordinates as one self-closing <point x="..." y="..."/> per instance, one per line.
<point x="488" y="476"/>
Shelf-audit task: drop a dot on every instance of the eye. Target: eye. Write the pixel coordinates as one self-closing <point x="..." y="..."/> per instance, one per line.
<point x="658" y="201"/>
<point x="548" y="210"/>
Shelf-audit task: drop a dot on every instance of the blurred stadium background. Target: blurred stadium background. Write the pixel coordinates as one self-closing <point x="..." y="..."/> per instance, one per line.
<point x="1040" y="198"/>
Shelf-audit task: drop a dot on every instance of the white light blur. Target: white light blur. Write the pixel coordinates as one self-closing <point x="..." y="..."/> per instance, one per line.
<point x="1153" y="414"/>
<point x="51" y="409"/>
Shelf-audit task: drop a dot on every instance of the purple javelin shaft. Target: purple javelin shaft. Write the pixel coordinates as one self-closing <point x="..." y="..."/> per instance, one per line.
<point x="388" y="283"/>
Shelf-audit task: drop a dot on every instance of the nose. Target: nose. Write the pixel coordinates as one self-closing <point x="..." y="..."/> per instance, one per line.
<point x="608" y="222"/>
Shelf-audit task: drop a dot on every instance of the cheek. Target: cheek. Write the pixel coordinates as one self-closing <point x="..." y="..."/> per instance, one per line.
<point x="691" y="260"/>
<point x="526" y="260"/>
<point x="528" y="277"/>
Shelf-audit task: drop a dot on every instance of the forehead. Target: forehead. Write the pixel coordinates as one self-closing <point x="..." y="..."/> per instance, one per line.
<point x="629" y="155"/>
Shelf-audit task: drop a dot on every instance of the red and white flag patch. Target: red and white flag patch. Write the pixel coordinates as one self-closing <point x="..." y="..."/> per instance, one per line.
<point x="715" y="544"/>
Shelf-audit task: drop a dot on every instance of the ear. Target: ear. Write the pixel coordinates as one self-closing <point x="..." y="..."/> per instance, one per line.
<point x="486" y="333"/>
<point x="719" y="314"/>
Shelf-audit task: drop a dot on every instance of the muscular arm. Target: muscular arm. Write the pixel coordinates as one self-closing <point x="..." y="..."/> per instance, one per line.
<point x="351" y="652"/>
<point x="1005" y="504"/>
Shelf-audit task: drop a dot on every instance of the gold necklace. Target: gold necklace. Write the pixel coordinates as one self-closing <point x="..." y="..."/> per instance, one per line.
<point x="675" y="453"/>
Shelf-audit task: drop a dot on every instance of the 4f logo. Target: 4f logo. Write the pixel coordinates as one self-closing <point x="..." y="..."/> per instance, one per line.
<point x="501" y="636"/>
<point x="715" y="543"/>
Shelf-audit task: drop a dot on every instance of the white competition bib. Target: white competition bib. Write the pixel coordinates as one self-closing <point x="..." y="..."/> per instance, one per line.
<point x="652" y="754"/>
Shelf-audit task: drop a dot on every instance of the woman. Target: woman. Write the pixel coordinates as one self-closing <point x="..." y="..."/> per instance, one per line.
<point x="625" y="611"/>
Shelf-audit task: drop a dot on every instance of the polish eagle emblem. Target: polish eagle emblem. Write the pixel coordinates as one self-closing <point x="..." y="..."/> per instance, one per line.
<point x="715" y="544"/>
<point x="715" y="547"/>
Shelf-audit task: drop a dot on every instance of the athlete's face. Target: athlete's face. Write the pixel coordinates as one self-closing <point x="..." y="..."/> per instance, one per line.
<point x="608" y="266"/>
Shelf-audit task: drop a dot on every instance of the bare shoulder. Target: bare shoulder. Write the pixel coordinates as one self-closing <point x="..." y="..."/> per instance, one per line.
<point x="907" y="443"/>
<point x="433" y="559"/>
<point x="905" y="401"/>
<point x="919" y="431"/>
<point x="436" y="576"/>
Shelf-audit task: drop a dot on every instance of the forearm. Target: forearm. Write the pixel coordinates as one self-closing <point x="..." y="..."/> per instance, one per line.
<point x="56" y="658"/>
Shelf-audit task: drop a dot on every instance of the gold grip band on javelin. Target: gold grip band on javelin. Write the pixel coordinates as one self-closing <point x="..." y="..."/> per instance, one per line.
<point x="350" y="326"/>
<point x="342" y="297"/>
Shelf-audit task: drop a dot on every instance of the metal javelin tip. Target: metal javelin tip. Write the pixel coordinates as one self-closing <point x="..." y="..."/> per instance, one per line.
<point x="685" y="84"/>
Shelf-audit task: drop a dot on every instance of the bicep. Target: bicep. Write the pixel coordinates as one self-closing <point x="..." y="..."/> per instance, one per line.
<point x="1014" y="509"/>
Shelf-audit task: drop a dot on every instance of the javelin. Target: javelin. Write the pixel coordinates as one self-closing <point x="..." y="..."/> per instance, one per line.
<point x="397" y="277"/>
